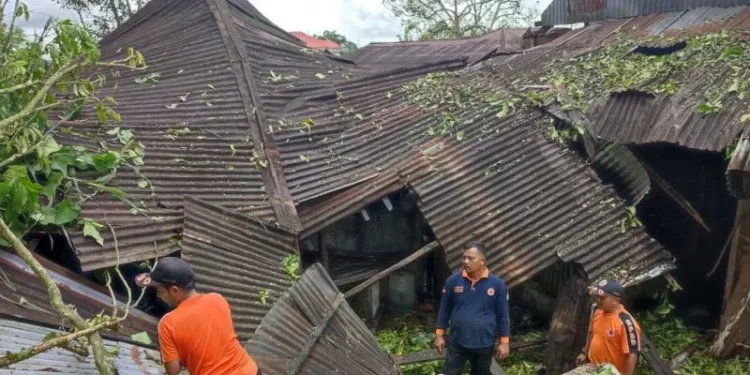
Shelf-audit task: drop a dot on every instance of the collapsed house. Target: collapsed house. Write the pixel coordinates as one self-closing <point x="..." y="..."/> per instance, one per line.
<point x="257" y="148"/>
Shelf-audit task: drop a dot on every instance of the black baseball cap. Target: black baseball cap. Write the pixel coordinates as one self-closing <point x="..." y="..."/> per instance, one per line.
<point x="609" y="287"/>
<point x="170" y="270"/>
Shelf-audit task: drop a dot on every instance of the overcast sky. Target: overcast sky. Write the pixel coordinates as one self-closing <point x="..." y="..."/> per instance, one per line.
<point x="362" y="21"/>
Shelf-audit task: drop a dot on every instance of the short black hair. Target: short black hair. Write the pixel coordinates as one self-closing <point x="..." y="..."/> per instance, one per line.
<point x="476" y="245"/>
<point x="186" y="287"/>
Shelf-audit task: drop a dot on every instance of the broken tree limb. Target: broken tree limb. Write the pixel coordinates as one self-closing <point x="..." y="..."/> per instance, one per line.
<point x="101" y="358"/>
<point x="676" y="196"/>
<point x="683" y="356"/>
<point x="296" y="366"/>
<point x="380" y="276"/>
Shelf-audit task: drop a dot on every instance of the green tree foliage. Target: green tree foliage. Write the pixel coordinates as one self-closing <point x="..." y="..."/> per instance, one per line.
<point x="45" y="82"/>
<point x="444" y="19"/>
<point x="101" y="17"/>
<point x="347" y="46"/>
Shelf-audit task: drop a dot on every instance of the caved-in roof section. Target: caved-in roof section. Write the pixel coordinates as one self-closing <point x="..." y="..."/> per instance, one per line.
<point x="344" y="345"/>
<point x="529" y="200"/>
<point x="25" y="297"/>
<point x="351" y="135"/>
<point x="238" y="256"/>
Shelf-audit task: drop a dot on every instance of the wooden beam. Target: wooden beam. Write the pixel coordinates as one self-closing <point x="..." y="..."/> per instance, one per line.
<point x="380" y="276"/>
<point x="651" y="355"/>
<point x="353" y="278"/>
<point x="676" y="196"/>
<point x="296" y="366"/>
<point x="570" y="325"/>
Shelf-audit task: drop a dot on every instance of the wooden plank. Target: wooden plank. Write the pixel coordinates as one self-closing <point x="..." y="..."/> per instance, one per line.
<point x="568" y="332"/>
<point x="296" y="366"/>
<point x="676" y="196"/>
<point x="382" y="275"/>
<point x="363" y="275"/>
<point x="651" y="355"/>
<point x="495" y="368"/>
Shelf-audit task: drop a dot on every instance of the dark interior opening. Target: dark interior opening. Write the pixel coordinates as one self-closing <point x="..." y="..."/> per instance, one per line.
<point x="699" y="178"/>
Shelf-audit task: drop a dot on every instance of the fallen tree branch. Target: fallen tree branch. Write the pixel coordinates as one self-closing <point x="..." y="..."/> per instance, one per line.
<point x="61" y="341"/>
<point x="101" y="358"/>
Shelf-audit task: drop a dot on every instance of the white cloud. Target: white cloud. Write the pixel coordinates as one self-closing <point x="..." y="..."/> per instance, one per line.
<point x="362" y="21"/>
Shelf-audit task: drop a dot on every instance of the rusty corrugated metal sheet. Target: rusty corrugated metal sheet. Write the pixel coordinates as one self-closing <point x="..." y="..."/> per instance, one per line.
<point x="201" y="147"/>
<point x="136" y="242"/>
<point x="239" y="257"/>
<point x="346" y="345"/>
<point x="528" y="200"/>
<point x="561" y="12"/>
<point x="342" y="151"/>
<point x="25" y="297"/>
<point x="16" y="336"/>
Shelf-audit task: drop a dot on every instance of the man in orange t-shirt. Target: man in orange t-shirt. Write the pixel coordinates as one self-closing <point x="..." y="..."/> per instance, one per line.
<point x="614" y="336"/>
<point x="198" y="334"/>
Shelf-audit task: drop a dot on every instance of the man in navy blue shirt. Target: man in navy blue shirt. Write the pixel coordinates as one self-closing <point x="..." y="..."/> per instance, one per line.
<point x="475" y="307"/>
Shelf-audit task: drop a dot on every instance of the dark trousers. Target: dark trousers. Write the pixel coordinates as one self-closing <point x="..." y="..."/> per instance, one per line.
<point x="456" y="357"/>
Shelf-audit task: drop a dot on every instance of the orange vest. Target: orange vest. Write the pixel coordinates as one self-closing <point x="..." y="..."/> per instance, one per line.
<point x="613" y="337"/>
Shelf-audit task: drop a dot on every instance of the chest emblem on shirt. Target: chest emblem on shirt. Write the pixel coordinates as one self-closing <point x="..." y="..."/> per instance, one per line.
<point x="491" y="291"/>
<point x="458" y="289"/>
<point x="611" y="332"/>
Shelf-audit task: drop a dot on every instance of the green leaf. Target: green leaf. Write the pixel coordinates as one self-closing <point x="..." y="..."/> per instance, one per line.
<point x="460" y="135"/>
<point x="113" y="131"/>
<point x="67" y="212"/>
<point x="359" y="116"/>
<point x="320" y="75"/>
<point x="732" y="51"/>
<point x="142" y="184"/>
<point x="91" y="229"/>
<point x="53" y="182"/>
<point x="103" y="162"/>
<point x="50" y="146"/>
<point x="142" y="338"/>
<point x="50" y="336"/>
<point x="125" y="136"/>
<point x="704" y="109"/>
<point x="745" y="118"/>
<point x="234" y="150"/>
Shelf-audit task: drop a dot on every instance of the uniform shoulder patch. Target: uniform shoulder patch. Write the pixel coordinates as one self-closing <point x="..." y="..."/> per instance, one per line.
<point x="632" y="336"/>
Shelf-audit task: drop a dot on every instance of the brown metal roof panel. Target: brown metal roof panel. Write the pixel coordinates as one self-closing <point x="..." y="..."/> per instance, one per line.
<point x="345" y="345"/>
<point x="25" y="297"/>
<point x="238" y="256"/>
<point x="192" y="122"/>
<point x="136" y="242"/>
<point x="634" y="117"/>
<point x="525" y="197"/>
<point x="16" y="336"/>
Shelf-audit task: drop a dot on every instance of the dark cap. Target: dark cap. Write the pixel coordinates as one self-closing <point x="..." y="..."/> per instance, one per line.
<point x="170" y="270"/>
<point x="609" y="287"/>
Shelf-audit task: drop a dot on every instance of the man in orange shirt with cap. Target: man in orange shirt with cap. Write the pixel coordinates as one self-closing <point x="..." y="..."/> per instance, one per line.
<point x="198" y="334"/>
<point x="614" y="336"/>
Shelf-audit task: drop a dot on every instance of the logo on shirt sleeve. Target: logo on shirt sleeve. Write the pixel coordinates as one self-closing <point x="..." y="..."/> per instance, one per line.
<point x="491" y="292"/>
<point x="458" y="289"/>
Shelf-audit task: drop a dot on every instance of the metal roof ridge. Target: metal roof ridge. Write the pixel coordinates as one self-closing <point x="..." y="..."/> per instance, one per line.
<point x="273" y="175"/>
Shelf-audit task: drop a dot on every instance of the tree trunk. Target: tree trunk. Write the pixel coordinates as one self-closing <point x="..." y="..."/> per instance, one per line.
<point x="569" y="329"/>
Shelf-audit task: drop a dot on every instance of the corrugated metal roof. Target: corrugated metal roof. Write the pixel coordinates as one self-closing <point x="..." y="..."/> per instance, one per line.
<point x="16" y="336"/>
<point x="393" y="55"/>
<point x="136" y="242"/>
<point x="345" y="346"/>
<point x="561" y="12"/>
<point x="201" y="147"/>
<point x="24" y="296"/>
<point x="239" y="257"/>
<point x="528" y="200"/>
